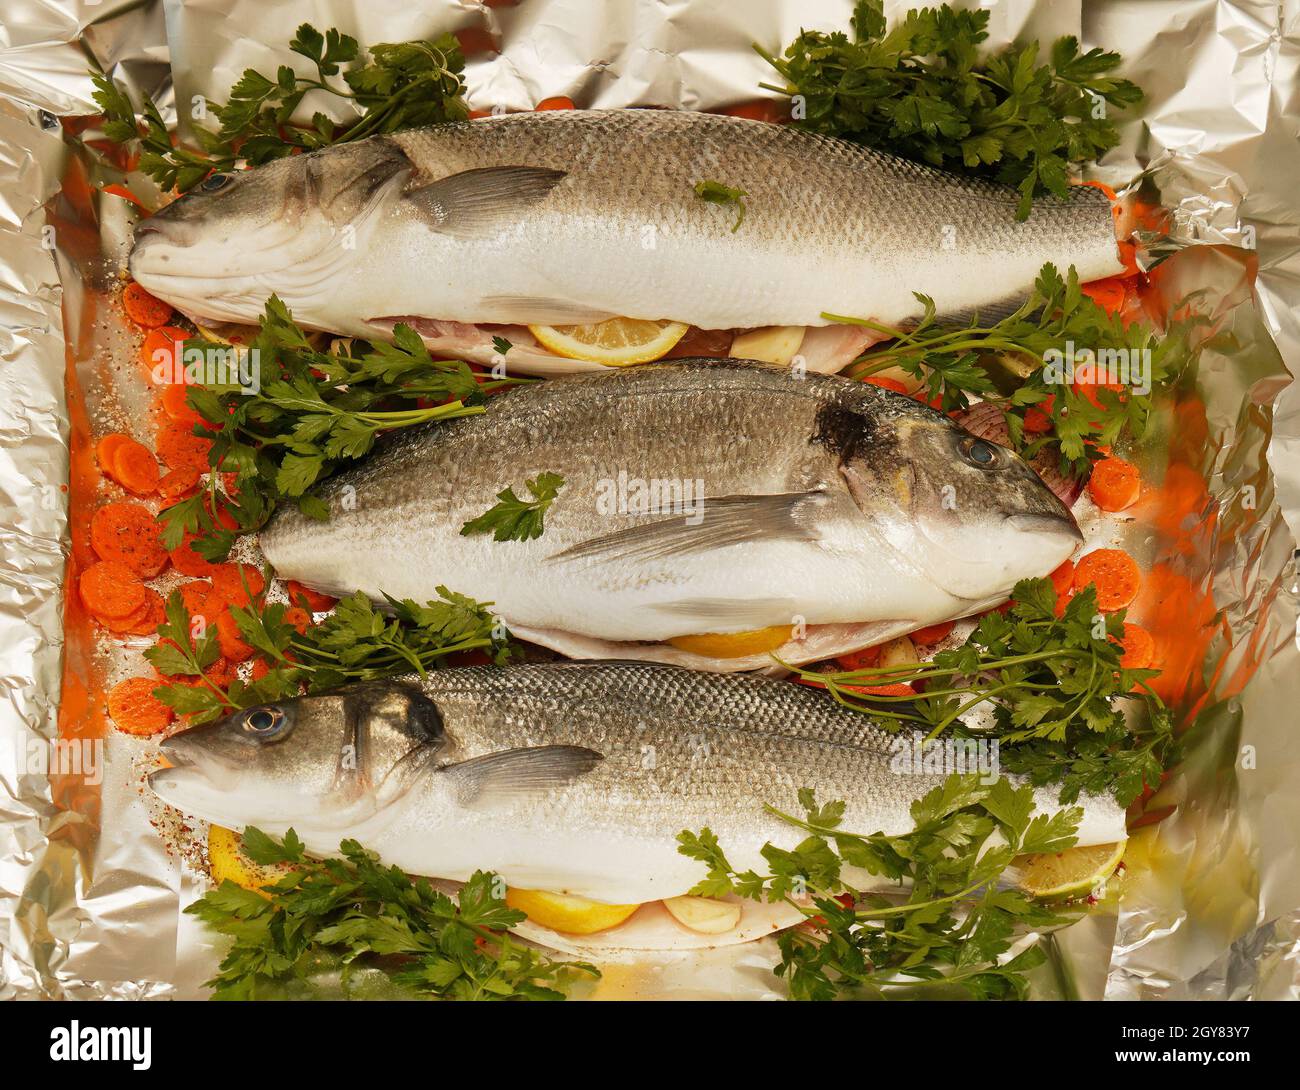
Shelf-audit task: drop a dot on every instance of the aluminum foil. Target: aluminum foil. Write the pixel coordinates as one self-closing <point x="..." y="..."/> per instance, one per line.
<point x="91" y="882"/>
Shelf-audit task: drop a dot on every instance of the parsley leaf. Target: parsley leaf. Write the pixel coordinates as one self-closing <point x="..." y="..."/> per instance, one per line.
<point x="513" y="519"/>
<point x="716" y="193"/>
<point x="924" y="91"/>
<point x="342" y="915"/>
<point x="949" y="925"/>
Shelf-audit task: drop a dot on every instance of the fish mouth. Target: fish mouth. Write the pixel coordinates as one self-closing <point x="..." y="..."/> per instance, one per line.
<point x="1037" y="522"/>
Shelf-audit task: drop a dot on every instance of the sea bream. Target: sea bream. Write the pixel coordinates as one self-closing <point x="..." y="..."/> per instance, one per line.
<point x="569" y="777"/>
<point x="577" y="216"/>
<point x="699" y="497"/>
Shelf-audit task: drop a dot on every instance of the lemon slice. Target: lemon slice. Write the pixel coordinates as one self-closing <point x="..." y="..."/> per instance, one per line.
<point x="565" y="912"/>
<point x="615" y="342"/>
<point x="226" y="859"/>
<point x="1075" y="872"/>
<point x="734" y="645"/>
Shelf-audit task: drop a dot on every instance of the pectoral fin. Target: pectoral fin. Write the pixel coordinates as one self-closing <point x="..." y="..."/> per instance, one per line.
<point x="476" y="203"/>
<point x="511" y="773"/>
<point x="728" y="520"/>
<point x="541" y="310"/>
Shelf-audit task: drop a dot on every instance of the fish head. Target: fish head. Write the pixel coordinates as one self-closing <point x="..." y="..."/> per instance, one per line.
<point x="316" y="762"/>
<point x="971" y="515"/>
<point x="215" y="252"/>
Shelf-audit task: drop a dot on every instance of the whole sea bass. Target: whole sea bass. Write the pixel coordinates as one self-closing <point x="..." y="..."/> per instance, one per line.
<point x="575" y="216"/>
<point x="698" y="497"/>
<point x="540" y="773"/>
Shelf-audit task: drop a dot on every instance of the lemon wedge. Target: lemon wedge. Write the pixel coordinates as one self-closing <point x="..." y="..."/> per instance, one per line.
<point x="1075" y="872"/>
<point x="734" y="645"/>
<point x="565" y="912"/>
<point x="705" y="915"/>
<point x="615" y="342"/>
<point x="226" y="859"/>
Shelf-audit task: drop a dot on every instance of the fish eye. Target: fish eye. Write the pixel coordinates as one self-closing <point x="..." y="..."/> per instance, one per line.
<point x="213" y="182"/>
<point x="265" y="722"/>
<point x="980" y="454"/>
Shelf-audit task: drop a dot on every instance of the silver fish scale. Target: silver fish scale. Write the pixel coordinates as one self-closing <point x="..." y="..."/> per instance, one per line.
<point x="681" y="749"/>
<point x="639" y="162"/>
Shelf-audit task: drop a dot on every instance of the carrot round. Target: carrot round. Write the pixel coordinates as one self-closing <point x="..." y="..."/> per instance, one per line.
<point x="933" y="633"/>
<point x="111" y="589"/>
<point x="159" y="351"/>
<point x="232" y="643"/>
<point x="555" y="102"/>
<point x="179" y="447"/>
<point x="1139" y="648"/>
<point x="311" y="600"/>
<point x="859" y="660"/>
<point x="1114" y="484"/>
<point x="298" y="617"/>
<point x="186" y="561"/>
<point x="135" y="710"/>
<point x="143" y="309"/>
<point x="143" y="621"/>
<point x="176" y="407"/>
<point x="135" y="468"/>
<point x="128" y="533"/>
<point x="1038" y="418"/>
<point x="106" y="450"/>
<point x="179" y="484"/>
<point x="886" y="382"/>
<point x="228" y="582"/>
<point x="1113" y="573"/>
<point x="200" y="600"/>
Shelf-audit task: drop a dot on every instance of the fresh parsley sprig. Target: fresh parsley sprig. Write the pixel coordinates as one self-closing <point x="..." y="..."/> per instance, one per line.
<point x="1055" y="687"/>
<point x="714" y="192"/>
<point x="356" y="642"/>
<point x="923" y="91"/>
<point x="513" y="519"/>
<point x="313" y="411"/>
<point x="954" y="361"/>
<point x="403" y="85"/>
<point x="950" y="926"/>
<point x="352" y="913"/>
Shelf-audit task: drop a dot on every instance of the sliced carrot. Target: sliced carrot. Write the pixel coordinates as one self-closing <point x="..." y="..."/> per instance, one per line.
<point x="111" y="589"/>
<point x="135" y="468"/>
<point x="894" y="688"/>
<point x="1110" y="293"/>
<point x="172" y="400"/>
<point x="932" y="634"/>
<point x="297" y="617"/>
<point x="1089" y="390"/>
<point x="311" y="600"/>
<point x="260" y="669"/>
<point x="886" y="382"/>
<point x="106" y="450"/>
<point x="555" y="102"/>
<point x="1063" y="578"/>
<point x="135" y="710"/>
<point x="232" y="643"/>
<point x="126" y="195"/>
<point x="1114" y="484"/>
<point x="143" y="621"/>
<point x="159" y="351"/>
<point x="179" y="484"/>
<point x="1139" y="648"/>
<point x="763" y="109"/>
<point x="143" y="309"/>
<point x="229" y="581"/>
<point x="1038" y="418"/>
<point x="179" y="447"/>
<point x="1113" y="573"/>
<point x="859" y="660"/>
<point x="188" y="562"/>
<point x="200" y="600"/>
<point x="129" y="534"/>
